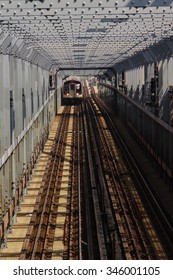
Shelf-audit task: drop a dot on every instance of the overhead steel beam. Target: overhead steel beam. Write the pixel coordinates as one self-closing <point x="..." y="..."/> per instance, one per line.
<point x="82" y="68"/>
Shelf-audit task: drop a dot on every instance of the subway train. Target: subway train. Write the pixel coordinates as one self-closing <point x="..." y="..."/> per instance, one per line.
<point x="72" y="91"/>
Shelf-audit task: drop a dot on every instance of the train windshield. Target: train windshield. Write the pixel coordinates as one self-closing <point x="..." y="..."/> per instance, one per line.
<point x="78" y="87"/>
<point x="66" y="88"/>
<point x="72" y="86"/>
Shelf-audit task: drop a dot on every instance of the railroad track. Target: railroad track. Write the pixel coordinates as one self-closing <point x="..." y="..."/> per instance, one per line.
<point x="53" y="229"/>
<point x="129" y="232"/>
<point x="88" y="205"/>
<point x="159" y="243"/>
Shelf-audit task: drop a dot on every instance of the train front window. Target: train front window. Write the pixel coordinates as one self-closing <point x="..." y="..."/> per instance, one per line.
<point x="72" y="86"/>
<point x="78" y="87"/>
<point x="66" y="88"/>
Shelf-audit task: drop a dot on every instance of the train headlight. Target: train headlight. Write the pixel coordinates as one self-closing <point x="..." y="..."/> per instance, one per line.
<point x="67" y="93"/>
<point x="77" y="93"/>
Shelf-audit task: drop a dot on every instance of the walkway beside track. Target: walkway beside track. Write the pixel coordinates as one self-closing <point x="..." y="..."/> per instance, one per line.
<point x="15" y="238"/>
